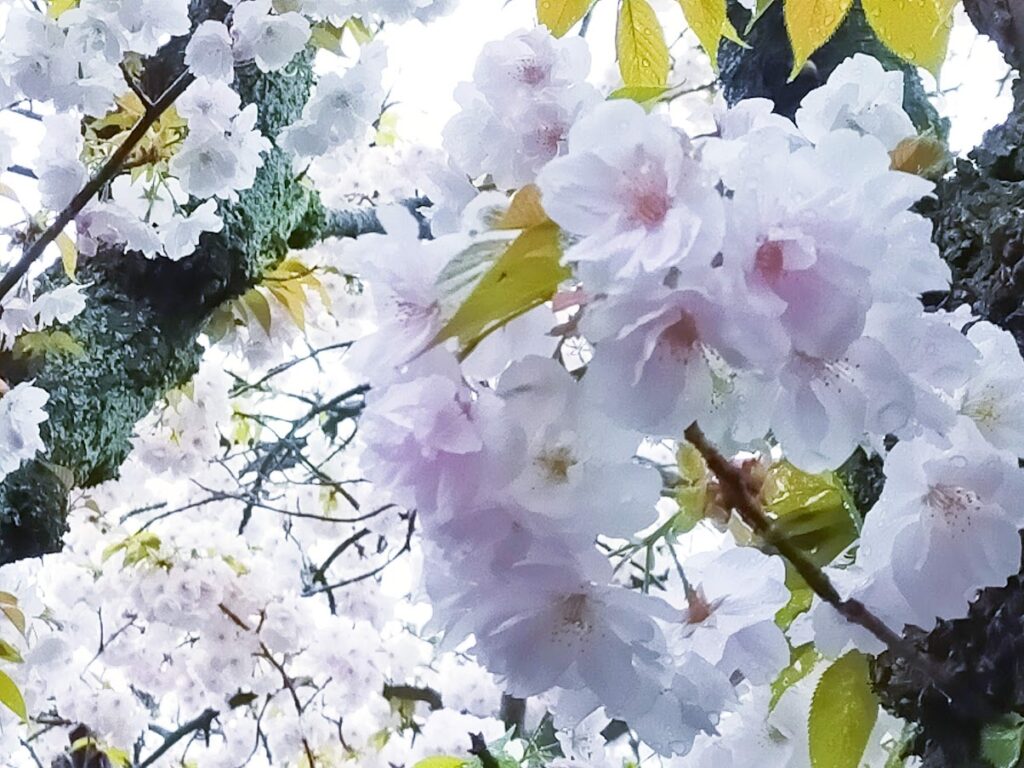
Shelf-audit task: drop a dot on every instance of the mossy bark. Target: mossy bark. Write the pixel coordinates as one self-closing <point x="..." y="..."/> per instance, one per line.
<point x="143" y="317"/>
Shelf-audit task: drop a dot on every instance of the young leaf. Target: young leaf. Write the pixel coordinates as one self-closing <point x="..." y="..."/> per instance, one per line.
<point x="525" y="276"/>
<point x="915" y="31"/>
<point x="257" y="303"/>
<point x="9" y="653"/>
<point x="15" y="616"/>
<point x="707" y="19"/>
<point x="843" y="713"/>
<point x="810" y="24"/>
<point x="644" y="95"/>
<point x="10" y="697"/>
<point x="560" y="15"/>
<point x="69" y="255"/>
<point x="440" y="761"/>
<point x="924" y="156"/>
<point x="1002" y="741"/>
<point x="524" y="211"/>
<point x="802" y="661"/>
<point x="640" y="45"/>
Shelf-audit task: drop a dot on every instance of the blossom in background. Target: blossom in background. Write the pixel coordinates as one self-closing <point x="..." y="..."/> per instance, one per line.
<point x="527" y="92"/>
<point x="272" y="39"/>
<point x="342" y="108"/>
<point x="208" y="53"/>
<point x="21" y="413"/>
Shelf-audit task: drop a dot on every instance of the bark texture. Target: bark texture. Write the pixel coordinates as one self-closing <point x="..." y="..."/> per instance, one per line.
<point x="143" y="317"/>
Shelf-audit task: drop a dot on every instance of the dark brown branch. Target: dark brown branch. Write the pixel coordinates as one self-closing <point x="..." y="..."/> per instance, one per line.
<point x="201" y="723"/>
<point x="738" y="492"/>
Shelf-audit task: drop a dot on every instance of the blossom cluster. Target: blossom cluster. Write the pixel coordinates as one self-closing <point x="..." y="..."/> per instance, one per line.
<point x="763" y="283"/>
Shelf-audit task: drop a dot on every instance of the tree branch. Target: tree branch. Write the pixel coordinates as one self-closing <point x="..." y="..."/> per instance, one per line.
<point x="201" y="723"/>
<point x="738" y="492"/>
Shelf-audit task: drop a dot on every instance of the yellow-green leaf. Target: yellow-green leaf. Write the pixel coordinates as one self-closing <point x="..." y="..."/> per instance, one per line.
<point x="811" y="23"/>
<point x="525" y="276"/>
<point x="924" y="156"/>
<point x="359" y="31"/>
<point x="441" y="761"/>
<point x="640" y="45"/>
<point x="802" y="661"/>
<point x="843" y="713"/>
<point x="707" y="19"/>
<point x="46" y="342"/>
<point x="560" y="15"/>
<point x="10" y="697"/>
<point x="57" y="7"/>
<point x="644" y="95"/>
<point x="917" y="31"/>
<point x="813" y="511"/>
<point x="9" y="653"/>
<point x="7" y="598"/>
<point x="14" y="615"/>
<point x="524" y="211"/>
<point x="257" y="303"/>
<point x="327" y="36"/>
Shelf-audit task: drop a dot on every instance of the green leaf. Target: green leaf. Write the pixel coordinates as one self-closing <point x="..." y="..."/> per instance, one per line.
<point x="464" y="271"/>
<point x="560" y="15"/>
<point x="644" y="95"/>
<point x="140" y="546"/>
<point x="525" y="276"/>
<point x="811" y="23"/>
<point x="440" y="761"/>
<point x="916" y="31"/>
<point x="257" y="304"/>
<point x="640" y="45"/>
<point x="68" y="255"/>
<point x="814" y="511"/>
<point x="843" y="713"/>
<point x="48" y="342"/>
<point x="327" y="36"/>
<point x="802" y="661"/>
<point x="1001" y="741"/>
<point x="10" y="697"/>
<point x="15" y="616"/>
<point x="359" y="31"/>
<point x="9" y="653"/>
<point x="524" y="211"/>
<point x="801" y="597"/>
<point x="707" y="19"/>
